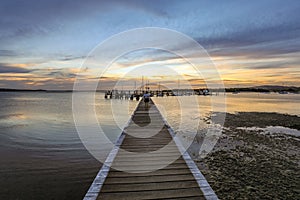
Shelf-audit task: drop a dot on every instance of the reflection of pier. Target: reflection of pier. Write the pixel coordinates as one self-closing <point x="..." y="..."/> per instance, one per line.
<point x="148" y="162"/>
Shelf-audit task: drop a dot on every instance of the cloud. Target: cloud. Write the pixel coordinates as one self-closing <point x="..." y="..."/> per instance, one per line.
<point x="255" y="42"/>
<point x="57" y="33"/>
<point x="6" y="68"/>
<point x="8" y="53"/>
<point x="19" y="19"/>
<point x="275" y="65"/>
<point x="71" y="57"/>
<point x="61" y="74"/>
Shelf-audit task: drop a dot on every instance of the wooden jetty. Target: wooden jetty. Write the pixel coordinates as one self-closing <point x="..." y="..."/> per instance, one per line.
<point x="149" y="162"/>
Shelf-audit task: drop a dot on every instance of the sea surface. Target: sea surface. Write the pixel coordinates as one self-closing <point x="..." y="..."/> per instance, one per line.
<point x="42" y="156"/>
<point x="183" y="108"/>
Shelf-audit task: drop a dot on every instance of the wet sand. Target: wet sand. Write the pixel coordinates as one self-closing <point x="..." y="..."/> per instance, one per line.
<point x="251" y="163"/>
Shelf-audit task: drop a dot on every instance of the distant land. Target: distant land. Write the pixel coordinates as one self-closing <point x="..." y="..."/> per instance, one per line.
<point x="262" y="88"/>
<point x="266" y="88"/>
<point x="41" y="90"/>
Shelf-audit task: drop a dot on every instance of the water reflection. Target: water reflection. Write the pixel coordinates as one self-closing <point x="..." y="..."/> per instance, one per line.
<point x="42" y="156"/>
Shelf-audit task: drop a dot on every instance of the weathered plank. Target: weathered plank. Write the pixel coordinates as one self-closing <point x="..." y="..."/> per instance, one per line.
<point x="148" y="162"/>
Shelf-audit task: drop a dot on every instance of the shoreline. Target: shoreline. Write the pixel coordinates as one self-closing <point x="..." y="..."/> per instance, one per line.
<point x="246" y="163"/>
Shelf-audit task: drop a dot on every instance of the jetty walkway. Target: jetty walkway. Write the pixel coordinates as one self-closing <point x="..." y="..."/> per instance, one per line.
<point x="149" y="162"/>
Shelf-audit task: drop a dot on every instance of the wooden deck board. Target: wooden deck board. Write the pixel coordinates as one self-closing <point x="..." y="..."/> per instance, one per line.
<point x="133" y="174"/>
<point x="154" y="194"/>
<point x="162" y="172"/>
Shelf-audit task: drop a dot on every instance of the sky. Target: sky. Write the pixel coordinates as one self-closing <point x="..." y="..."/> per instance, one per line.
<point x="44" y="43"/>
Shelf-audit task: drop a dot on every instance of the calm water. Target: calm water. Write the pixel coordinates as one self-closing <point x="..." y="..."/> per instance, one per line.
<point x="232" y="103"/>
<point x="42" y="156"/>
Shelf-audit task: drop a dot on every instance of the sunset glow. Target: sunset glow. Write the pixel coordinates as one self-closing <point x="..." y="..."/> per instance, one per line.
<point x="248" y="49"/>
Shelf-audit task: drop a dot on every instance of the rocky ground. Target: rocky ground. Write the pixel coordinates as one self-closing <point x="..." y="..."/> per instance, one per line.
<point x="252" y="164"/>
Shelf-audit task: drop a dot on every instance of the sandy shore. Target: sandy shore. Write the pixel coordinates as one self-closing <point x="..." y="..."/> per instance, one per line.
<point x="252" y="163"/>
